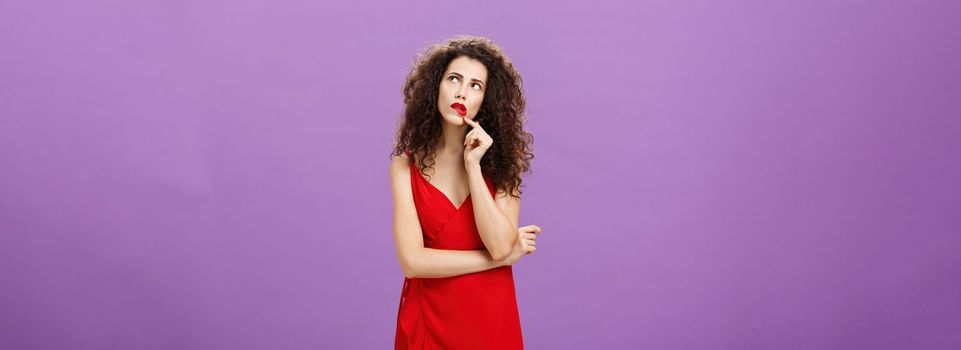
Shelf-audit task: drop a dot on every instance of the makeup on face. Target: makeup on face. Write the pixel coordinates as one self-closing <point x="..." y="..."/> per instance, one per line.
<point x="463" y="86"/>
<point x="460" y="108"/>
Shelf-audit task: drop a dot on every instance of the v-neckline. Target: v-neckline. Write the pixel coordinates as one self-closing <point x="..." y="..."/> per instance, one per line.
<point x="447" y="199"/>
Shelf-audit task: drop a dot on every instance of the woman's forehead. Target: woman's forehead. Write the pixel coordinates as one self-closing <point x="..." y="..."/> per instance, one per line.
<point x="468" y="67"/>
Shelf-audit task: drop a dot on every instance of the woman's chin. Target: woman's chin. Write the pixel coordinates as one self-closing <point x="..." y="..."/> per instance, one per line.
<point x="456" y="119"/>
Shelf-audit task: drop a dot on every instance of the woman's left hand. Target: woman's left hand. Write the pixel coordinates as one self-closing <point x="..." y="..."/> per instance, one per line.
<point x="476" y="143"/>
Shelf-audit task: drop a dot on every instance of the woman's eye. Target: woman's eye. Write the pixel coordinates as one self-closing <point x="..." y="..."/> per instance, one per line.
<point x="455" y="78"/>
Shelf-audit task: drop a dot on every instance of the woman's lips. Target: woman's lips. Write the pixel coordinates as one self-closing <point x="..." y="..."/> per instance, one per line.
<point x="460" y="108"/>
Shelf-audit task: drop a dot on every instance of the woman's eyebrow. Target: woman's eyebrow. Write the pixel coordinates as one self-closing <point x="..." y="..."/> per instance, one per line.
<point x="472" y="79"/>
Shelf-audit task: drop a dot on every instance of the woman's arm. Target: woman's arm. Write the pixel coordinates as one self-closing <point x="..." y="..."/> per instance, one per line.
<point x="416" y="260"/>
<point x="437" y="263"/>
<point x="496" y="219"/>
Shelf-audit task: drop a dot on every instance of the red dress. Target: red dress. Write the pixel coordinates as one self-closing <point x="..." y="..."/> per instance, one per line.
<point x="472" y="311"/>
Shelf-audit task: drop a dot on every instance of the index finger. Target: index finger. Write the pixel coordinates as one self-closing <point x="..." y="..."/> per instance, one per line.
<point x="472" y="123"/>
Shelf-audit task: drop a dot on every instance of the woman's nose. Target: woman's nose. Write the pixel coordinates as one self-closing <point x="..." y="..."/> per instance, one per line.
<point x="461" y="92"/>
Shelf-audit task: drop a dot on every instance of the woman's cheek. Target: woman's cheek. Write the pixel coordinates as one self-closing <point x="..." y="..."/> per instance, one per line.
<point x="480" y="101"/>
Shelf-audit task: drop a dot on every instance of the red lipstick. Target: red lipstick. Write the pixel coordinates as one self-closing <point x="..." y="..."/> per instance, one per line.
<point x="460" y="108"/>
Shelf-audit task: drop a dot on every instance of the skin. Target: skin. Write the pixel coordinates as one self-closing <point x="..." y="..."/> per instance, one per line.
<point x="457" y="175"/>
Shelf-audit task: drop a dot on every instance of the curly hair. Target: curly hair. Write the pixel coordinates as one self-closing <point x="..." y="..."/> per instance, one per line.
<point x="501" y="113"/>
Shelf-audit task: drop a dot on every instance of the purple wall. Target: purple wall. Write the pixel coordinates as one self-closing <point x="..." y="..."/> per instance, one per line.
<point x="746" y="175"/>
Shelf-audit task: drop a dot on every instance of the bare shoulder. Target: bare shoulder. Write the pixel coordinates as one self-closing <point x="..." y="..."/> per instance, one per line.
<point x="503" y="195"/>
<point x="509" y="204"/>
<point x="398" y="167"/>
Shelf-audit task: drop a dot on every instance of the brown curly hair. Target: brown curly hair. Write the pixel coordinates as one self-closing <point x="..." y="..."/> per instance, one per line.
<point x="501" y="113"/>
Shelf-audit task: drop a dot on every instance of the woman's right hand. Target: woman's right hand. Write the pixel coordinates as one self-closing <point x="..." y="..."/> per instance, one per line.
<point x="524" y="245"/>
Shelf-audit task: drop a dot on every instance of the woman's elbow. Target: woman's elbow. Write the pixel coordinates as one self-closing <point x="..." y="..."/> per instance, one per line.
<point x="499" y="254"/>
<point x="409" y="272"/>
<point x="409" y="267"/>
<point x="503" y="250"/>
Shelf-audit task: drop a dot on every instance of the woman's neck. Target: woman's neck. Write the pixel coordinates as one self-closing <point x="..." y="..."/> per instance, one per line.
<point x="451" y="142"/>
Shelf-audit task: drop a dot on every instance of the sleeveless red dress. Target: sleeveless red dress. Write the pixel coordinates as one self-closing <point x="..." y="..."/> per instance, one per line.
<point x="471" y="311"/>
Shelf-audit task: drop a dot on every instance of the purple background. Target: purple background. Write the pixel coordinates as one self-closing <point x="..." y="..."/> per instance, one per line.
<point x="708" y="175"/>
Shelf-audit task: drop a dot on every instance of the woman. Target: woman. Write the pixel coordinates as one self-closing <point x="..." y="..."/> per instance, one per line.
<point x="458" y="288"/>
